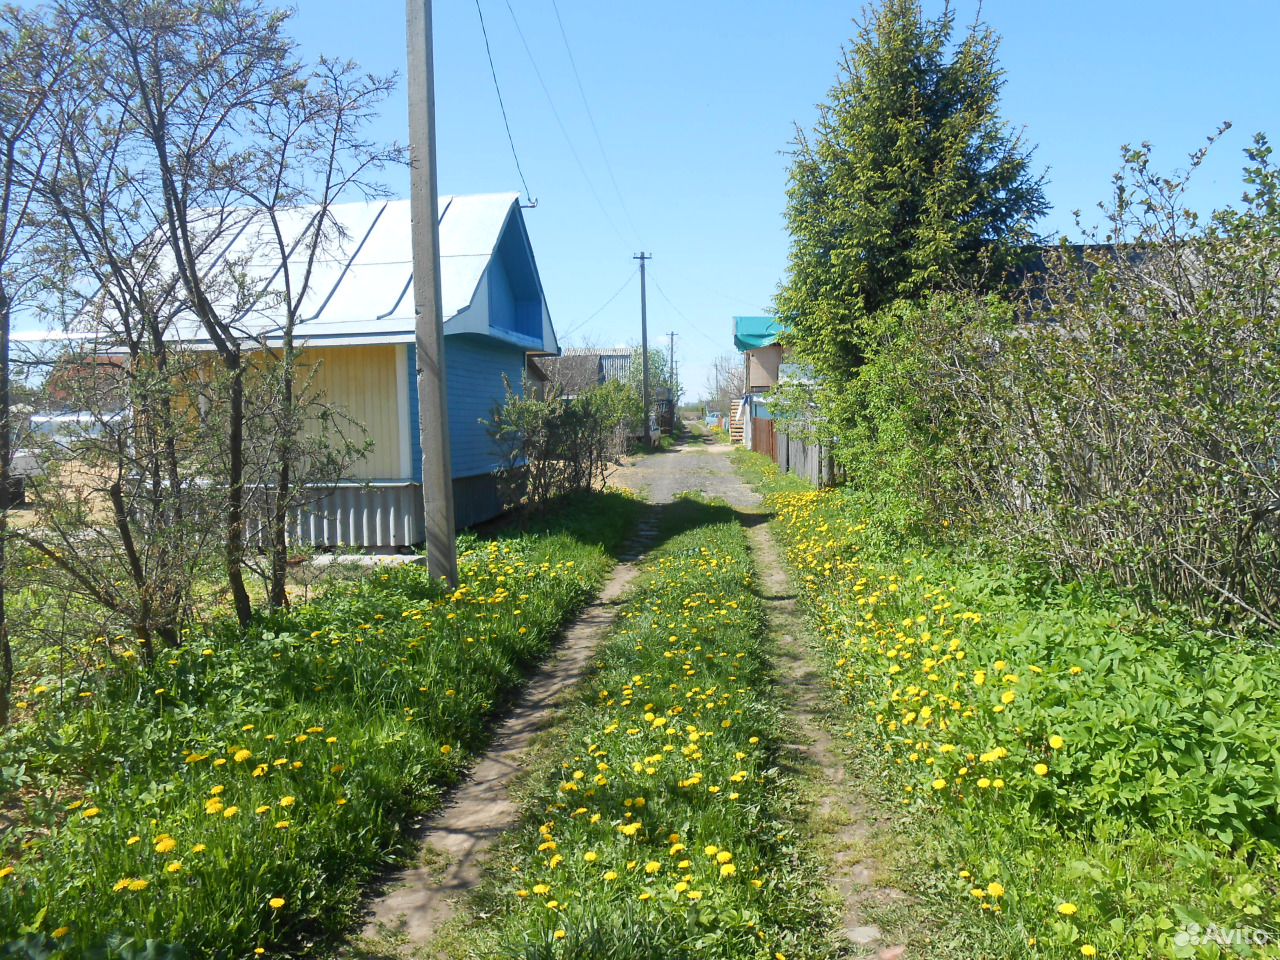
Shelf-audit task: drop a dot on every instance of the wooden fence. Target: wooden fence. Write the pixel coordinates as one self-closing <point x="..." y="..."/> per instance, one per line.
<point x="813" y="462"/>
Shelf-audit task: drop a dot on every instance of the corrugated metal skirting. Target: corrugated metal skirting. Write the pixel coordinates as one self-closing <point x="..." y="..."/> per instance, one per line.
<point x="358" y="515"/>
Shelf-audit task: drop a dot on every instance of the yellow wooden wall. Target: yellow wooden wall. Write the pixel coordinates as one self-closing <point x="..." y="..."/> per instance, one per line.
<point x="363" y="382"/>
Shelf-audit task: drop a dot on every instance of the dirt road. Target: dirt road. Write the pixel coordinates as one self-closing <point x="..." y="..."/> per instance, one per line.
<point x="421" y="900"/>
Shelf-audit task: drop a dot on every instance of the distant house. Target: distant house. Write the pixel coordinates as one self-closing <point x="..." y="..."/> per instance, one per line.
<point x="578" y="371"/>
<point x="571" y="375"/>
<point x="358" y="339"/>
<point x="756" y="338"/>
<point x="752" y="421"/>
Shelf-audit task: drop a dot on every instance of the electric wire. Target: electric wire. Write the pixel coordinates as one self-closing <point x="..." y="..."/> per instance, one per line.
<point x="501" y="104"/>
<point x="625" y="283"/>
<point x="595" y="130"/>
<point x="560" y="123"/>
<point x="689" y="323"/>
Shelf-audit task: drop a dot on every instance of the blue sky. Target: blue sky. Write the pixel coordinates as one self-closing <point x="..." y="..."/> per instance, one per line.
<point x="695" y="101"/>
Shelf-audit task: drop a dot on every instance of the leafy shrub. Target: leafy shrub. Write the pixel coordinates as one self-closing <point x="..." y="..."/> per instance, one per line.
<point x="554" y="445"/>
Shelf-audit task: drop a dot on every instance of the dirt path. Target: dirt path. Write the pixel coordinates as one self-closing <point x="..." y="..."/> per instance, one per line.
<point x="421" y="900"/>
<point x="846" y="832"/>
<point x="844" y="829"/>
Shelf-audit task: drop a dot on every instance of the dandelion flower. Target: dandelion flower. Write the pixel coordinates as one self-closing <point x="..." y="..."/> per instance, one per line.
<point x="275" y="903"/>
<point x="1068" y="909"/>
<point x="60" y="933"/>
<point x="166" y="844"/>
<point x="1088" y="950"/>
<point x="1056" y="742"/>
<point x="1041" y="769"/>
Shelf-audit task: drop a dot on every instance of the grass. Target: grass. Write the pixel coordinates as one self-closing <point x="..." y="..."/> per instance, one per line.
<point x="231" y="799"/>
<point x="658" y="824"/>
<point x="1072" y="777"/>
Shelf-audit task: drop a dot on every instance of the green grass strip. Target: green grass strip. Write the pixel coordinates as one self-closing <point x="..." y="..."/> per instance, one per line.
<point x="1080" y="778"/>
<point x="232" y="798"/>
<point x="660" y="830"/>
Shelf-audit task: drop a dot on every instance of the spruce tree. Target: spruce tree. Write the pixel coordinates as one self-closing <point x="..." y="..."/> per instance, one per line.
<point x="910" y="182"/>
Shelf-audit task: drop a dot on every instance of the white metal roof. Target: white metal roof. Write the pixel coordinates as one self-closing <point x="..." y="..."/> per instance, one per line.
<point x="361" y="288"/>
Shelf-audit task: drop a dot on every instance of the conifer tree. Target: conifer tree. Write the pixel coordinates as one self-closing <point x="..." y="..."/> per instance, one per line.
<point x="910" y="182"/>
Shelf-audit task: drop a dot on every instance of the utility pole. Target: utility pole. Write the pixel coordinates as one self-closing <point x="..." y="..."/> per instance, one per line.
<point x="671" y="376"/>
<point x="644" y="345"/>
<point x="433" y="419"/>
<point x="671" y="362"/>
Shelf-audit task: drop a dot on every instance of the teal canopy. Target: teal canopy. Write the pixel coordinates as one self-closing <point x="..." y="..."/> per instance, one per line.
<point x="753" y="333"/>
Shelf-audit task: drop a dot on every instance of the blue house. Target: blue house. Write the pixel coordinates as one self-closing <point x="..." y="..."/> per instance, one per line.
<point x="495" y="319"/>
<point x="358" y="341"/>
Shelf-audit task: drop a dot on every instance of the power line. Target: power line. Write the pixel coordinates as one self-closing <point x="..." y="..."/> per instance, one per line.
<point x="681" y="315"/>
<point x="502" y="106"/>
<point x="582" y="91"/>
<point x="560" y="123"/>
<point x="578" y="326"/>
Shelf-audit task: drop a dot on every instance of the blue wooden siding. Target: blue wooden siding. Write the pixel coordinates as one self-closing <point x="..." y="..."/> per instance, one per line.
<point x="474" y="367"/>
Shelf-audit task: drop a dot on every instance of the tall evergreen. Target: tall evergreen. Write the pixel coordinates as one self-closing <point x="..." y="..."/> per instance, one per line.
<point x="910" y="182"/>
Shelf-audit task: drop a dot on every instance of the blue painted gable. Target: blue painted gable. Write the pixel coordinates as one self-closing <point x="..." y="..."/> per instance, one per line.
<point x="484" y="344"/>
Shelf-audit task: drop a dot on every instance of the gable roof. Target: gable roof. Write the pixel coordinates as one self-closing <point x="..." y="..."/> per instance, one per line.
<point x="361" y="287"/>
<point x="756" y="333"/>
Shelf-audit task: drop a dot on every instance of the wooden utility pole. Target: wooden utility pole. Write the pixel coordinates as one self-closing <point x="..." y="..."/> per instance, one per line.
<point x="671" y="363"/>
<point x="644" y="346"/>
<point x="433" y="417"/>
